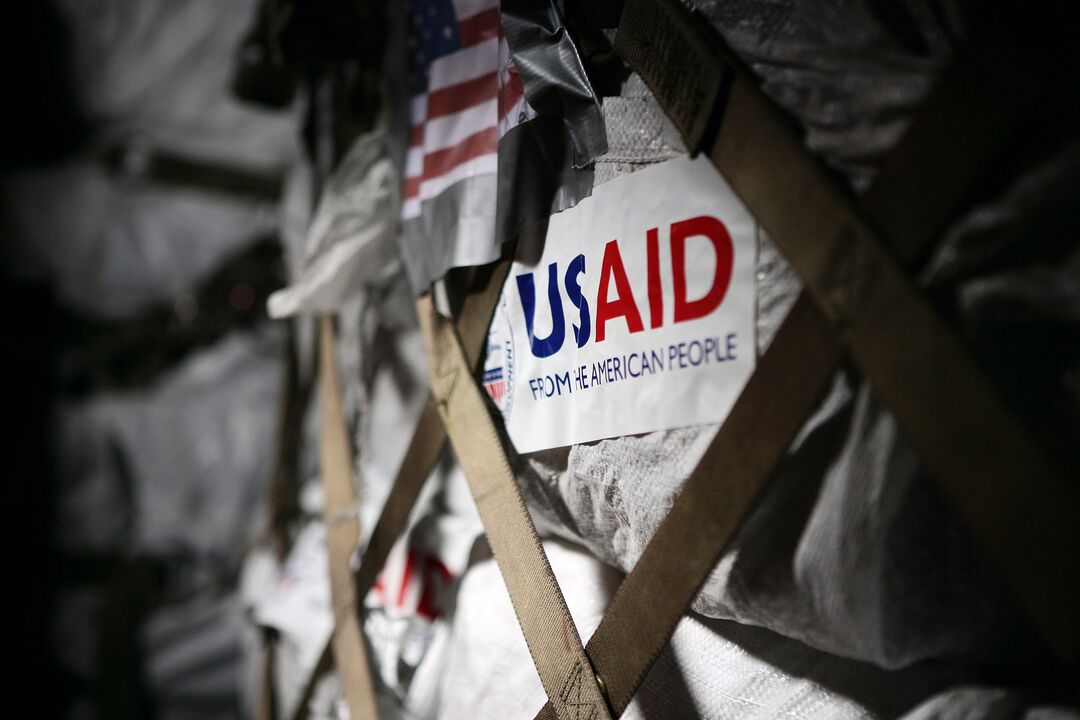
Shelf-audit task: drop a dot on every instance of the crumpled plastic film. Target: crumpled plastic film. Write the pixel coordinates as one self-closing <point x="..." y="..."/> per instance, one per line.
<point x="848" y="74"/>
<point x="351" y="239"/>
<point x="554" y="77"/>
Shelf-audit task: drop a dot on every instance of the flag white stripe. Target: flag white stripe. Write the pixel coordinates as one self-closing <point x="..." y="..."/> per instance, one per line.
<point x="449" y="130"/>
<point x="488" y="163"/>
<point x="414" y="162"/>
<point x="410" y="209"/>
<point x="465" y="64"/>
<point x="418" y="109"/>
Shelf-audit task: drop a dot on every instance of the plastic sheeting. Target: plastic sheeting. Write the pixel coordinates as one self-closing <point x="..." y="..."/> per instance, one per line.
<point x="179" y="467"/>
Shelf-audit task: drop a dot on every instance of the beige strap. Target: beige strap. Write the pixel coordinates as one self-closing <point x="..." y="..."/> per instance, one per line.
<point x="1015" y="502"/>
<point x="423" y="452"/>
<point x="712" y="503"/>
<point x="541" y="610"/>
<point x="429" y="438"/>
<point x="342" y="533"/>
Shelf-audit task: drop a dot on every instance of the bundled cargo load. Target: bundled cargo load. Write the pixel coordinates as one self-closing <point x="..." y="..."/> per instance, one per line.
<point x="762" y="306"/>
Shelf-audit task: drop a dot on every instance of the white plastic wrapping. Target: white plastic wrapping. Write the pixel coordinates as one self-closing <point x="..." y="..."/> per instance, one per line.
<point x="351" y="239"/>
<point x="710" y="670"/>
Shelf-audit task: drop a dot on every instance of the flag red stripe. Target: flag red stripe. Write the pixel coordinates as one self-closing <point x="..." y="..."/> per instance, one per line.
<point x="509" y="94"/>
<point x="416" y="136"/>
<point x="412" y="187"/>
<point x="478" y="28"/>
<point x="443" y="161"/>
<point x="462" y="96"/>
<point x="456" y="98"/>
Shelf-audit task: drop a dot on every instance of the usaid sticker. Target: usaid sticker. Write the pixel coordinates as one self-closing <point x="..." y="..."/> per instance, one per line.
<point x="638" y="317"/>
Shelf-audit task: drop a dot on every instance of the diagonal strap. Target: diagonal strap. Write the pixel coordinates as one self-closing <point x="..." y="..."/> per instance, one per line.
<point x="541" y="609"/>
<point x="1013" y="500"/>
<point x="652" y="599"/>
<point x="427" y="444"/>
<point x="303" y="705"/>
<point x="795" y="370"/>
<point x="423" y="452"/>
<point x="429" y="439"/>
<point x="342" y="534"/>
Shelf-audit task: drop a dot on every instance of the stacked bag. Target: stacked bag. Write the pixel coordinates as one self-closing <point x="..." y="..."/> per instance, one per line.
<point x="851" y="589"/>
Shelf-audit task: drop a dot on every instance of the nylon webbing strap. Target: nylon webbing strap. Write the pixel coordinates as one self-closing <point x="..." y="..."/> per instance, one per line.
<point x="342" y="533"/>
<point x="430" y="436"/>
<point x="1015" y="503"/>
<point x="541" y="610"/>
<point x="795" y="370"/>
<point x="423" y="452"/>
<point x="713" y="501"/>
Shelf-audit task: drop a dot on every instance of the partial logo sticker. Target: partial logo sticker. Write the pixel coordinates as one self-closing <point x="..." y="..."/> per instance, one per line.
<point x="498" y="365"/>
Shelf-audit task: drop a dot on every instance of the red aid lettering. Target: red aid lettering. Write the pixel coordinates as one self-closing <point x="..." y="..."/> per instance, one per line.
<point x="656" y="289"/>
<point x="623" y="305"/>
<point x="718" y="234"/>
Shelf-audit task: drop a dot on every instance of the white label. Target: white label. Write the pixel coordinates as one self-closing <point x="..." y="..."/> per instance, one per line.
<point x="639" y="315"/>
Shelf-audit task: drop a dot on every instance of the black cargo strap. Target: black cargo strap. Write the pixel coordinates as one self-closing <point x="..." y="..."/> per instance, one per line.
<point x="162" y="166"/>
<point x="856" y="298"/>
<point x="266" y="700"/>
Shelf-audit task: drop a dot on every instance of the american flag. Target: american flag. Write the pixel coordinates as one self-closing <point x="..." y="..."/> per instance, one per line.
<point x="465" y="95"/>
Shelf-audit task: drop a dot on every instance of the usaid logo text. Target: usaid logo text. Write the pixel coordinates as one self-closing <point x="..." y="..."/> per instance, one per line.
<point x="617" y="300"/>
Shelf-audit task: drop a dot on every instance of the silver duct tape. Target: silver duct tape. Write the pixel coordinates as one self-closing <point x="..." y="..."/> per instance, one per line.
<point x="553" y="74"/>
